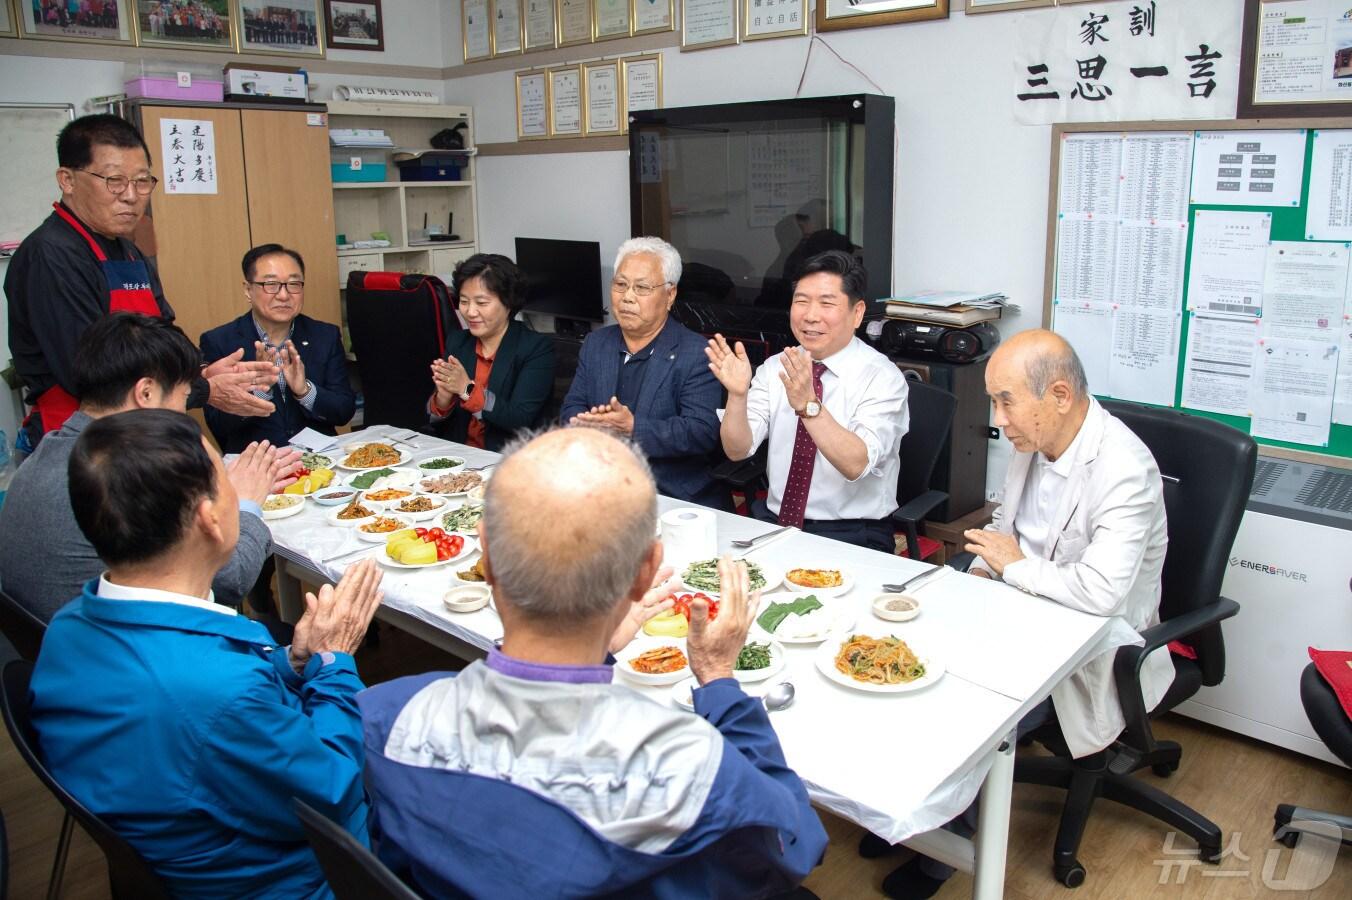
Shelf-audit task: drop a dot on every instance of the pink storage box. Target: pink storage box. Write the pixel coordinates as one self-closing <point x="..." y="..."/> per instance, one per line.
<point x="203" y="89"/>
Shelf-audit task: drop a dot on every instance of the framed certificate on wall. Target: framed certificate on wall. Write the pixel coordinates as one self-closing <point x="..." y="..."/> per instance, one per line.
<point x="602" y="83"/>
<point x="773" y="18"/>
<point x="541" y="22"/>
<point x="475" y="30"/>
<point x="565" y="101"/>
<point x="610" y="19"/>
<point x="575" y="22"/>
<point x="642" y="83"/>
<point x="532" y="106"/>
<point x="708" y="23"/>
<point x="506" y="27"/>
<point x="653" y="16"/>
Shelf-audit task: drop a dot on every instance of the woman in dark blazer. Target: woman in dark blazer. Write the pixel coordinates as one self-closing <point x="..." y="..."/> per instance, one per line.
<point x="498" y="374"/>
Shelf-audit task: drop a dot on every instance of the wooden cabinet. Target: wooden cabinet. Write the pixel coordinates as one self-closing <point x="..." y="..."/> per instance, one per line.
<point x="272" y="186"/>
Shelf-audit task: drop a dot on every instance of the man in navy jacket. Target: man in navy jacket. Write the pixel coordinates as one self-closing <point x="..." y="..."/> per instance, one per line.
<point x="647" y="379"/>
<point x="312" y="390"/>
<point x="531" y="774"/>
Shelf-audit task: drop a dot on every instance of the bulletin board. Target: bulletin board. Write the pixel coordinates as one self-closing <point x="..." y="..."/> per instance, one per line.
<point x="1213" y="250"/>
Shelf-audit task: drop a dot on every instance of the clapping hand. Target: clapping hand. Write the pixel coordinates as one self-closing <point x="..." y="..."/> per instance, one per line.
<point x="613" y="416"/>
<point x="730" y="366"/>
<point x="797" y="377"/>
<point x="233" y="383"/>
<point x="293" y="367"/>
<point x="254" y="472"/>
<point x="714" y="646"/>
<point x="451" y="380"/>
<point x="335" y="621"/>
<point x="656" y="600"/>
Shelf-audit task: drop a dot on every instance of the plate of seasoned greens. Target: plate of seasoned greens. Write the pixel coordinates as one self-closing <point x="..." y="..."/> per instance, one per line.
<point x="314" y="461"/>
<point x="703" y="576"/>
<point x="464" y="520"/>
<point x="758" y="660"/>
<point x="441" y="464"/>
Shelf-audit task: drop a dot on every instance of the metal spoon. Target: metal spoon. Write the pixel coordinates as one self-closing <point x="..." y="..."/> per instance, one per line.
<point x="779" y="696"/>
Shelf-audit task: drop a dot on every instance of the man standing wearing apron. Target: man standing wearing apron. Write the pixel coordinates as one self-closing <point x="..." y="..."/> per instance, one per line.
<point x="80" y="265"/>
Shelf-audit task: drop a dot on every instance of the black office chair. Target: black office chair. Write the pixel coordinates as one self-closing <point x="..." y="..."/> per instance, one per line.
<point x="353" y="872"/>
<point x="398" y="324"/>
<point x="4" y="860"/>
<point x="1334" y="728"/>
<point x="932" y="410"/>
<point x="21" y="628"/>
<point x="128" y="875"/>
<point x="1207" y="469"/>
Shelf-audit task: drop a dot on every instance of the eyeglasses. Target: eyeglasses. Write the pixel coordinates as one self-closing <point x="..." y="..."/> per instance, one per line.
<point x="621" y="288"/>
<point x="275" y="287"/>
<point x="117" y="184"/>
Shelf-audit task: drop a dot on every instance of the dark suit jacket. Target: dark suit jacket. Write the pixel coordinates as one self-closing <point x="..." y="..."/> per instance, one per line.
<point x="321" y="349"/>
<point x="675" y="419"/>
<point x="521" y="383"/>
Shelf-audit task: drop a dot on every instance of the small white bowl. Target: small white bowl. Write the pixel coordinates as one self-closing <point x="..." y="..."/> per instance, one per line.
<point x="467" y="599"/>
<point x="346" y="498"/>
<point x="911" y="607"/>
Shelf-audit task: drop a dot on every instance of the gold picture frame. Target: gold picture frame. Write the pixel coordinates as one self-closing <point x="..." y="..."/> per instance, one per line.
<point x="710" y="13"/>
<point x="530" y="12"/>
<point x="597" y="120"/>
<point x="835" y="15"/>
<point x="532" y="86"/>
<point x="574" y="22"/>
<point x="154" y="33"/>
<point x="9" y="20"/>
<point x="570" y="124"/>
<point x="482" y="8"/>
<point x="754" y="29"/>
<point x="603" y="17"/>
<point x="649" y="6"/>
<point x="649" y="66"/>
<point x="21" y="24"/>
<point x="976" y="7"/>
<point x="496" y="7"/>
<point x="286" y="47"/>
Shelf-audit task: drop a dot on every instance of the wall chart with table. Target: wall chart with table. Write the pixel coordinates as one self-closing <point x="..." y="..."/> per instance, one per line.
<point x="1207" y="270"/>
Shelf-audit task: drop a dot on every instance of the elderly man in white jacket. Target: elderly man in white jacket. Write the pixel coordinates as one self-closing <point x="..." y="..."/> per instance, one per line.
<point x="1082" y="523"/>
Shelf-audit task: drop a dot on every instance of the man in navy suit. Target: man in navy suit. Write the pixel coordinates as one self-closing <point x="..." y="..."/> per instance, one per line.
<point x="312" y="389"/>
<point x="646" y="378"/>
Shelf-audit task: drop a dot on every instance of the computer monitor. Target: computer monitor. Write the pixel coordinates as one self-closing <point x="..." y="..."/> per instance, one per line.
<point x="563" y="278"/>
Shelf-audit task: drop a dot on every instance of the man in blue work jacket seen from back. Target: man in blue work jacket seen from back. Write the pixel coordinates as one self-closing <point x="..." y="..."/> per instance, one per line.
<point x="174" y="719"/>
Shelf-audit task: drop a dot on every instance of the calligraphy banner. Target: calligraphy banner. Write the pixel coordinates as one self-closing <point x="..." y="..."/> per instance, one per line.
<point x="1128" y="60"/>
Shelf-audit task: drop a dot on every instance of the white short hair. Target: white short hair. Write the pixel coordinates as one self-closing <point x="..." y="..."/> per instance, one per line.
<point x="666" y="254"/>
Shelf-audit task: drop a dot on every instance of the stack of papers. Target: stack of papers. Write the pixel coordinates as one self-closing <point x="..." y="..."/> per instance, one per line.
<point x="359" y="137"/>
<point x="949" y="307"/>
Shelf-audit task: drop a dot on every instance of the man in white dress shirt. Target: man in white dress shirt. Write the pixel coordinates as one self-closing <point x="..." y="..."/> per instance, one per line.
<point x="833" y="408"/>
<point x="1082" y="523"/>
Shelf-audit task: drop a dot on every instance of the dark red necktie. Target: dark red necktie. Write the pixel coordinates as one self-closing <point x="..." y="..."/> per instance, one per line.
<point x="793" y="502"/>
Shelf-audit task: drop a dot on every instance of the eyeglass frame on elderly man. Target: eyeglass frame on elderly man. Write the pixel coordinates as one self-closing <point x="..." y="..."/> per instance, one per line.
<point x="292" y="287"/>
<point x="111" y="182"/>
<point x="640" y="290"/>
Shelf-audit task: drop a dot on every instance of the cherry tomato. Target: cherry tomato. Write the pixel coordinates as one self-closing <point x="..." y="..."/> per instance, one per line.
<point x="420" y="532"/>
<point x="443" y="554"/>
<point x="682" y="602"/>
<point x="456" y="543"/>
<point x="436" y="532"/>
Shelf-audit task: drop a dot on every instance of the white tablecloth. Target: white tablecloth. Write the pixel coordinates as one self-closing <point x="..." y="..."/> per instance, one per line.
<point x="898" y="764"/>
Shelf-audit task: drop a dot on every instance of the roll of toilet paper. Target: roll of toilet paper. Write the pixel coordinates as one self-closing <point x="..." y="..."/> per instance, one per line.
<point x="689" y="534"/>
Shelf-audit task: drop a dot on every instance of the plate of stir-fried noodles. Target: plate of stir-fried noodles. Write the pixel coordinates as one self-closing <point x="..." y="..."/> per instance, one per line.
<point x="884" y="665"/>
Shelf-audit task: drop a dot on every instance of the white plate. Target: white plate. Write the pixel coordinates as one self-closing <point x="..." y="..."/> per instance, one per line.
<point x="473" y="531"/>
<point x="470" y="547"/>
<point x="682" y="692"/>
<point x="776" y="664"/>
<point x="847" y="582"/>
<point x="393" y="509"/>
<point x="773" y="578"/>
<point x="380" y="538"/>
<point x="643" y="644"/>
<point x="424" y="478"/>
<point x="826" y="664"/>
<point x="417" y="464"/>
<point x="397" y="478"/>
<point x="345" y="452"/>
<point x="835" y="617"/>
<point x="333" y="512"/>
<point x="289" y="511"/>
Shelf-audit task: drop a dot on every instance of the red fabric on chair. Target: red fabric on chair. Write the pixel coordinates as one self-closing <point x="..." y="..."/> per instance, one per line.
<point x="1336" y="667"/>
<point x="928" y="547"/>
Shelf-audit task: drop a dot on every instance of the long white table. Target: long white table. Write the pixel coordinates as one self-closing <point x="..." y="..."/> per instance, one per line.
<point x="900" y="765"/>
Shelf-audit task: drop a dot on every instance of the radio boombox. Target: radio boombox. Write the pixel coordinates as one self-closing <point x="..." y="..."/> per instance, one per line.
<point x="902" y="337"/>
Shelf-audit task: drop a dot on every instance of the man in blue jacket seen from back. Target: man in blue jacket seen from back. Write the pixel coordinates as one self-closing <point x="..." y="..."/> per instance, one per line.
<point x="174" y="719"/>
<point x="646" y="378"/>
<point x="531" y="773"/>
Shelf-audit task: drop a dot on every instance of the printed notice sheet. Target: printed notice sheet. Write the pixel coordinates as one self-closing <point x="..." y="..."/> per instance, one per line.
<point x="1229" y="253"/>
<point x="1328" y="214"/>
<point x="1088" y="327"/>
<point x="1304" y="288"/>
<point x="1144" y="362"/>
<point x="1219" y="365"/>
<point x="1293" y="394"/>
<point x="1303" y="52"/>
<point x="1156" y="169"/>
<point x="1342" y="390"/>
<point x="1248" y="168"/>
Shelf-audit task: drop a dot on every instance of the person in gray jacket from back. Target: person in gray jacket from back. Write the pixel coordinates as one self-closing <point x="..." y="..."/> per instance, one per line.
<point x="125" y="361"/>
